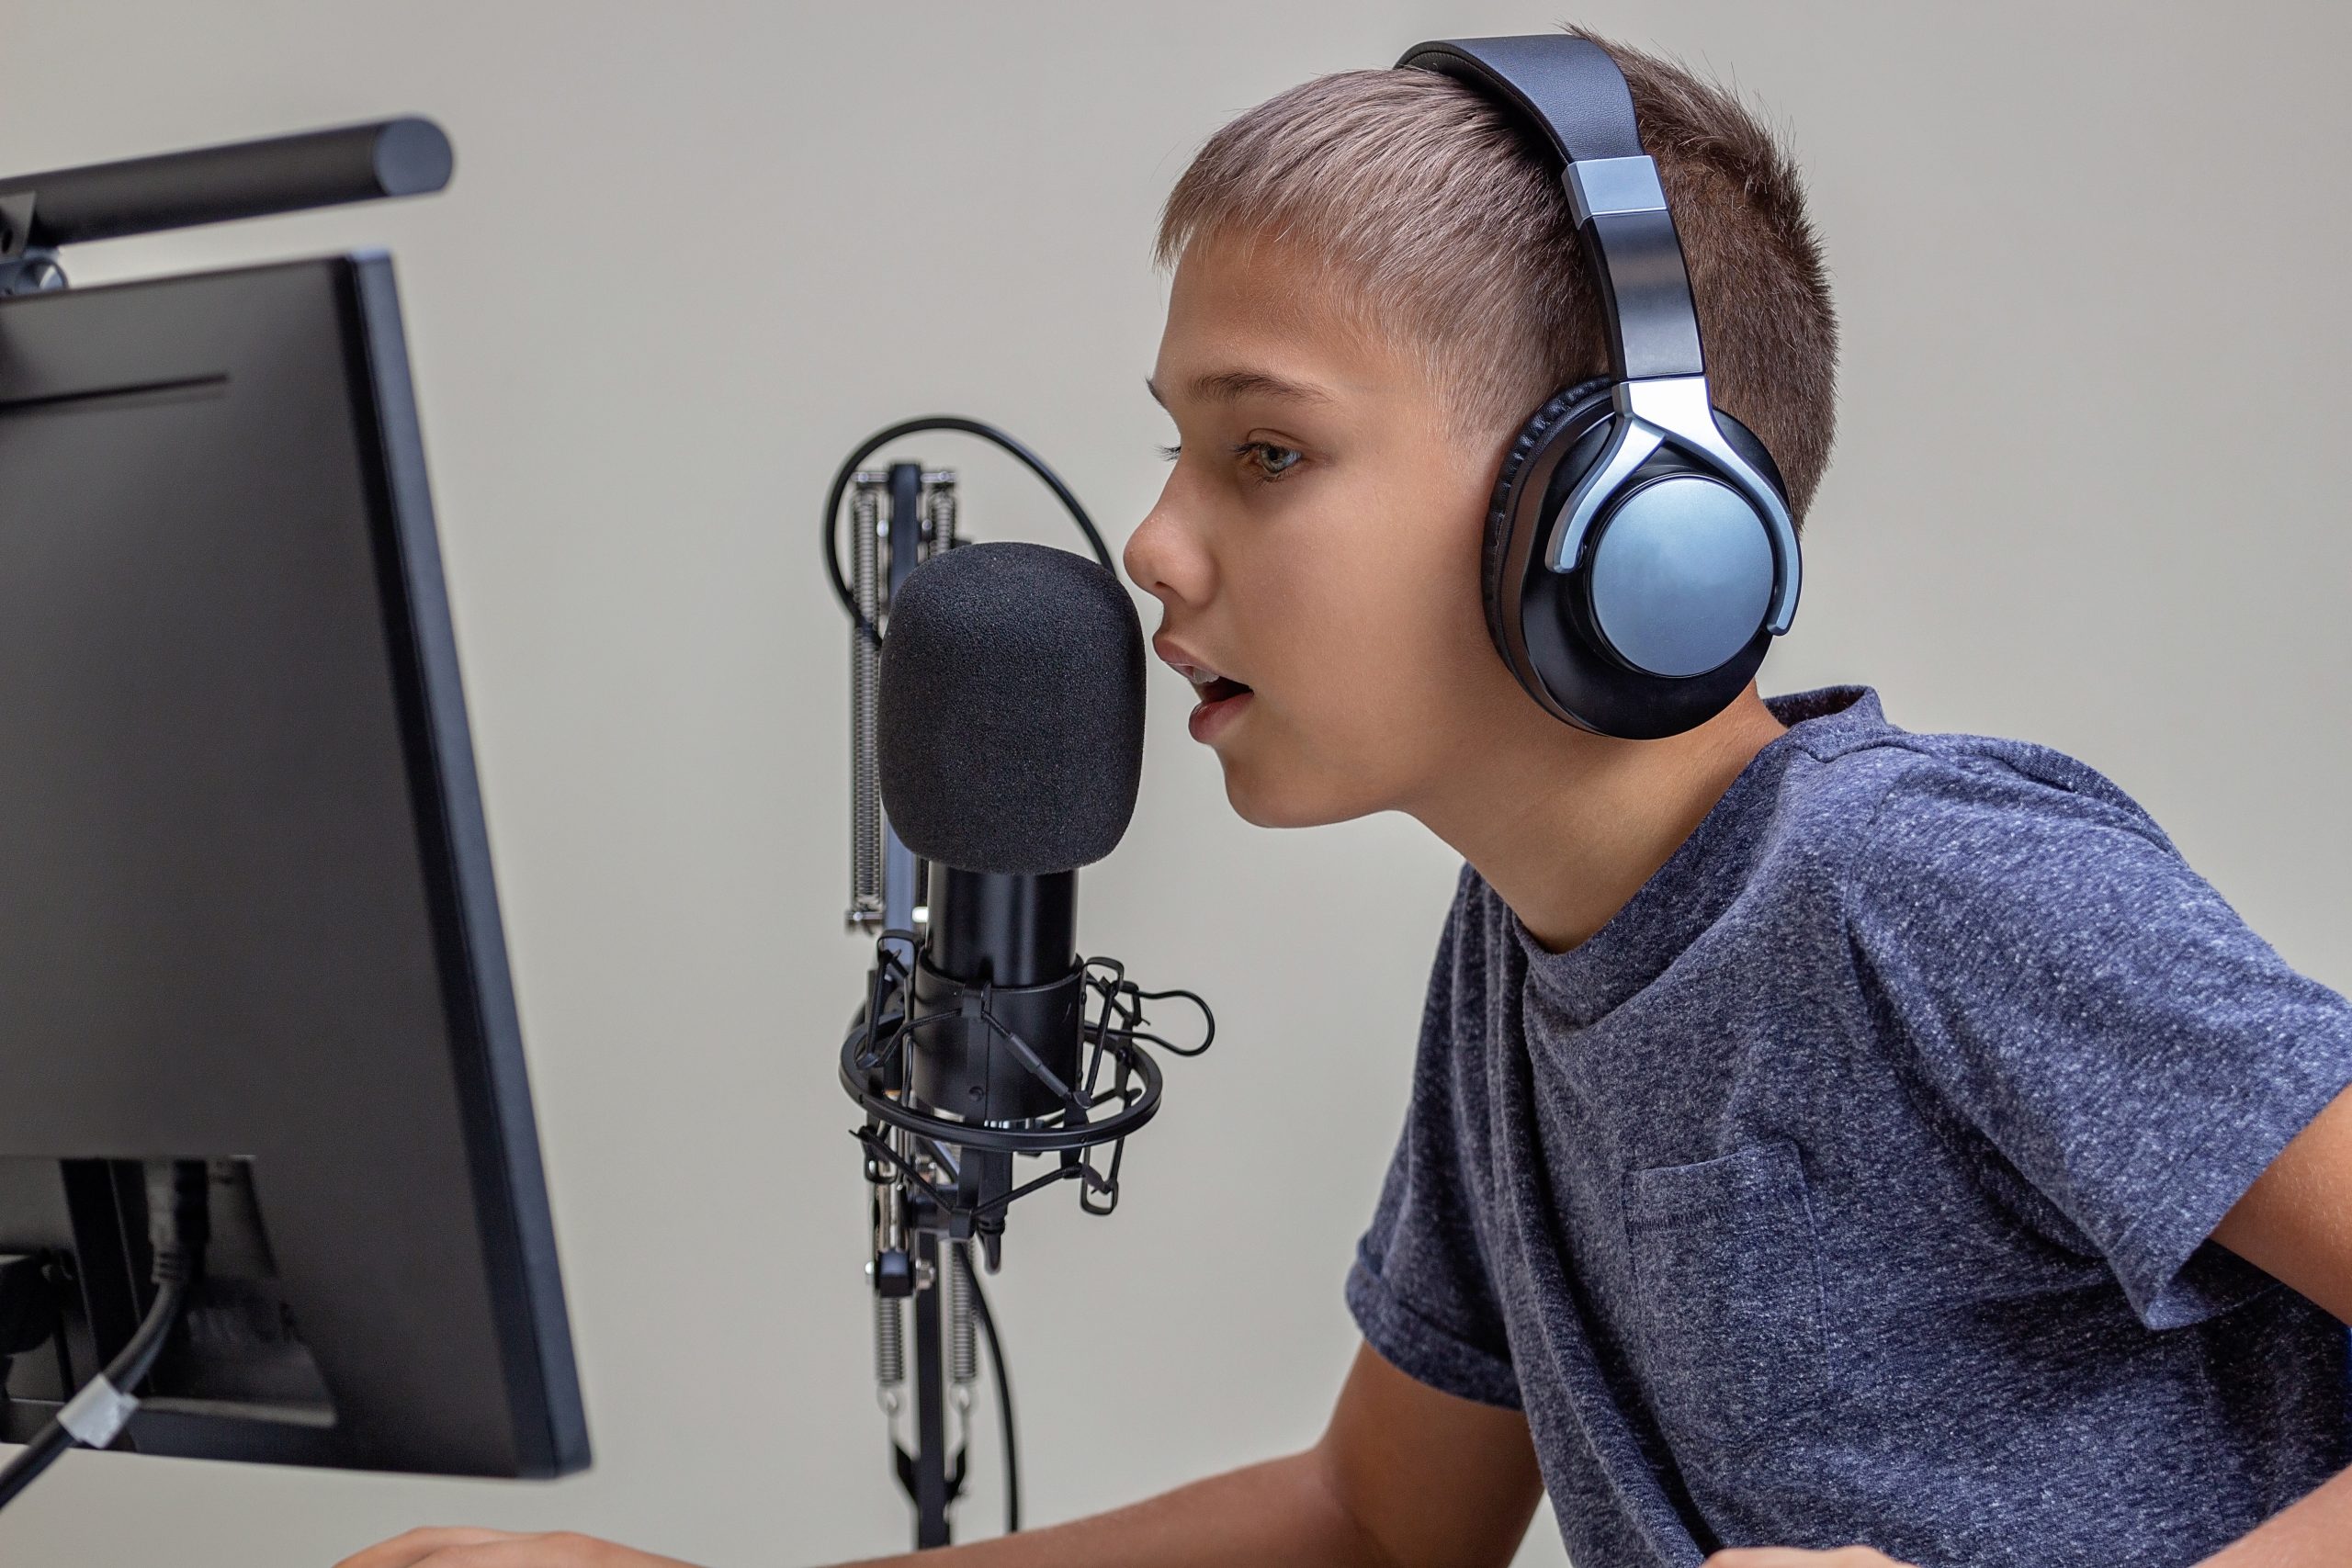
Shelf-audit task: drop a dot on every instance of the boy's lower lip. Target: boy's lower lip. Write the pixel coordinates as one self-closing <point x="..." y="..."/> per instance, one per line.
<point x="1210" y="718"/>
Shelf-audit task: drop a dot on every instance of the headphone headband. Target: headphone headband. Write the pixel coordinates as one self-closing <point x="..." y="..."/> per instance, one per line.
<point x="1567" y="86"/>
<point x="1570" y="91"/>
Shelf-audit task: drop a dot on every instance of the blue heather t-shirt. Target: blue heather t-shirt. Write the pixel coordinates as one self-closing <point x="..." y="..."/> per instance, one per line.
<point x="1853" y="1182"/>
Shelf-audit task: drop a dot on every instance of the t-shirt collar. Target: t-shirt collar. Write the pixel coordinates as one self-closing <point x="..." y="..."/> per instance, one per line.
<point x="1684" y="897"/>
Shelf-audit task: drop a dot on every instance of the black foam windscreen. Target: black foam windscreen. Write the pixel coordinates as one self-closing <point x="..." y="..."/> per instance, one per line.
<point x="1010" y="709"/>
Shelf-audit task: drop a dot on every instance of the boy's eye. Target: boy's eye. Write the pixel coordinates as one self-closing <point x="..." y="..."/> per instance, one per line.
<point x="1270" y="460"/>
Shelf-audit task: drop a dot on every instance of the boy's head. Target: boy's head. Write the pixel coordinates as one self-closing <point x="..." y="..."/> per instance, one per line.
<point x="1377" y="280"/>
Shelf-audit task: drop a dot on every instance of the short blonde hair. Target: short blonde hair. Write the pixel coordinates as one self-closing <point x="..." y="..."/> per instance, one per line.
<point x="1448" y="226"/>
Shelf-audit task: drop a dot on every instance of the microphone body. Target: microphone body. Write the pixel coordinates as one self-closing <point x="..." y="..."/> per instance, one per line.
<point x="1005" y="941"/>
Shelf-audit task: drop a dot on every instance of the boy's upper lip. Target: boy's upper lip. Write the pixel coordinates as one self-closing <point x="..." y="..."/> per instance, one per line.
<point x="1190" y="665"/>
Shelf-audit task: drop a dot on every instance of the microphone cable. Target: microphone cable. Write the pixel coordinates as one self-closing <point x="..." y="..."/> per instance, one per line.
<point x="1003" y="1389"/>
<point x="1030" y="460"/>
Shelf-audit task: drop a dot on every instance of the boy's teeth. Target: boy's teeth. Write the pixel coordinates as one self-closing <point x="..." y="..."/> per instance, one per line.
<point x="1201" y="677"/>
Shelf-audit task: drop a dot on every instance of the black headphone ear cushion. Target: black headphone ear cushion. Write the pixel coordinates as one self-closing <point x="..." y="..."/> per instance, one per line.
<point x="1523" y="447"/>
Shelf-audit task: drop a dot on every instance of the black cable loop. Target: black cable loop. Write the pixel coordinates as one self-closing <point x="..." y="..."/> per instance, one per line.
<point x="1126" y="998"/>
<point x="957" y="422"/>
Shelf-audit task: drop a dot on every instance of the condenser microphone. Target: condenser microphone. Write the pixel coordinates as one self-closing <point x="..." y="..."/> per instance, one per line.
<point x="1010" y="729"/>
<point x="997" y="744"/>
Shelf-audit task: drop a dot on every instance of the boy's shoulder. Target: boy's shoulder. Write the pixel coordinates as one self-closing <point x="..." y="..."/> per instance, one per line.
<point x="1977" y="858"/>
<point x="1876" y="791"/>
<point x="1847" y="812"/>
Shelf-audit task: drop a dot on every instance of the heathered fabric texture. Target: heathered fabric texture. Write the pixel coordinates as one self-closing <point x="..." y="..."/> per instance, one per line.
<point x="1852" y="1183"/>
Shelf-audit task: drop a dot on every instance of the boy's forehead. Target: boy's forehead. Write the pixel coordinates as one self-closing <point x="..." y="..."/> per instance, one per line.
<point x="1259" y="321"/>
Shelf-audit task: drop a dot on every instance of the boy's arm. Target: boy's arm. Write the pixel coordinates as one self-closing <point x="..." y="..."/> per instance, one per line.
<point x="1404" y="1475"/>
<point x="2295" y="1225"/>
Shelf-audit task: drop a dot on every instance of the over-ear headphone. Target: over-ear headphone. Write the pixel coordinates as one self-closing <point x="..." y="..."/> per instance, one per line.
<point x="1639" y="556"/>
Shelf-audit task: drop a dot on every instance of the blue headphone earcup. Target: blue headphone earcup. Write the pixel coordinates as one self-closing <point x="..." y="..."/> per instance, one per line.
<point x="1679" y="574"/>
<point x="1544" y="624"/>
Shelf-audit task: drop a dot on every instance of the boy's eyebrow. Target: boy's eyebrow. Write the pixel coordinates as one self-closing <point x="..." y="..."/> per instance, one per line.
<point x="1232" y="386"/>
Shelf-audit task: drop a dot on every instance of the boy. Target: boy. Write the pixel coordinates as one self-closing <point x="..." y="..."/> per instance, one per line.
<point x="1821" y="1133"/>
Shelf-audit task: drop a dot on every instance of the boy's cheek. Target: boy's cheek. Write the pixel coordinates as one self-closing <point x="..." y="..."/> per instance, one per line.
<point x="1339" y="751"/>
<point x="1272" y="775"/>
<point x="1358" y="667"/>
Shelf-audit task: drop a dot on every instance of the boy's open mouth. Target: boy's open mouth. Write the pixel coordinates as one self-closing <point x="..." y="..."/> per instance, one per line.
<point x="1219" y="694"/>
<point x="1220" y="697"/>
<point x="1207" y="684"/>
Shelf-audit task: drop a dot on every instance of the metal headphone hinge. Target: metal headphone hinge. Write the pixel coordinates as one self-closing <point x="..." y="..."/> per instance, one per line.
<point x="1598" y="187"/>
<point x="1676" y="411"/>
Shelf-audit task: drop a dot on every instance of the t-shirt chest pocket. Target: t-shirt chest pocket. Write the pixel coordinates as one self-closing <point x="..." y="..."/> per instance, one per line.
<point x="1728" y="1292"/>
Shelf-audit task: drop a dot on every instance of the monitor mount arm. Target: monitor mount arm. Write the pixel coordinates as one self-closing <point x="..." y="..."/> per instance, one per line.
<point x="39" y="213"/>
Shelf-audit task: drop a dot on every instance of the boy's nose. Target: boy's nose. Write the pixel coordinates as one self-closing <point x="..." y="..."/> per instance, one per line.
<point x="1164" y="560"/>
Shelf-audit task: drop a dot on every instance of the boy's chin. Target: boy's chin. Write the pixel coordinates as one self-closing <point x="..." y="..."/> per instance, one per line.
<point x="1264" y="802"/>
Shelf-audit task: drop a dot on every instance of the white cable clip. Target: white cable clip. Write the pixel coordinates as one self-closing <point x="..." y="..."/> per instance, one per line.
<point x="97" y="1414"/>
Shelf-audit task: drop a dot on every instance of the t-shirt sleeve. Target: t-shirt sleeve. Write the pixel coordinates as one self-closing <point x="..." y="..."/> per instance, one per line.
<point x="2044" y="962"/>
<point x="1419" y="1288"/>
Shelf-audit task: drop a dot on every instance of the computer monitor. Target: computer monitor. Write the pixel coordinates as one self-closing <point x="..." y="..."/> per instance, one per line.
<point x="246" y="908"/>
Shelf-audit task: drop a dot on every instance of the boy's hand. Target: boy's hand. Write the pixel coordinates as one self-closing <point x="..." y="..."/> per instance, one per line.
<point x="498" y="1548"/>
<point x="1790" y="1557"/>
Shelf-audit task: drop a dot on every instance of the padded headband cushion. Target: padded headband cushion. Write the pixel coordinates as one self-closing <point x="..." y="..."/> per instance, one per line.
<point x="1567" y="89"/>
<point x="1523" y="447"/>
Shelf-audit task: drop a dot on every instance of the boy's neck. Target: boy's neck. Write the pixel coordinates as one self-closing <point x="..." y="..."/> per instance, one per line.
<point x="1566" y="827"/>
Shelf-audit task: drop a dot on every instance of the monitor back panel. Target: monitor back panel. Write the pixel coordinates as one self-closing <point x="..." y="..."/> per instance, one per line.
<point x="247" y="910"/>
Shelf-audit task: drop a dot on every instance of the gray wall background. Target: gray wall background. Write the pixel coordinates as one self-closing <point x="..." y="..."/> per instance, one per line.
<point x="2089" y="491"/>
